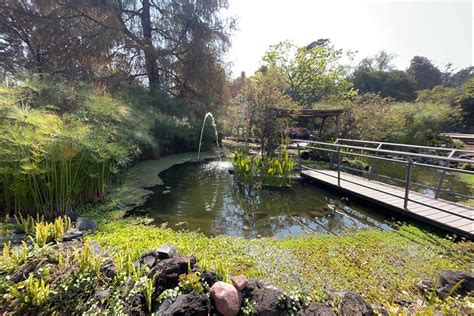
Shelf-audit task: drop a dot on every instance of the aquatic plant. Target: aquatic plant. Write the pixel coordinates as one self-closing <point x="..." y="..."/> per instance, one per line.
<point x="252" y="169"/>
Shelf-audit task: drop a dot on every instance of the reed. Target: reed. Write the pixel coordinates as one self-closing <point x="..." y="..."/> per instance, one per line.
<point x="53" y="158"/>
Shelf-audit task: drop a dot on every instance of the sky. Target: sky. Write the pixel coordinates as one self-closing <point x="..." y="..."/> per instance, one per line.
<point x="439" y="30"/>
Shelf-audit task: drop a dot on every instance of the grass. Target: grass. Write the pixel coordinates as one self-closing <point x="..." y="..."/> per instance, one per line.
<point x="383" y="266"/>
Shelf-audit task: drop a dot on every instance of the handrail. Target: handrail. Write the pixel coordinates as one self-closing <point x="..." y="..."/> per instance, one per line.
<point x="403" y="145"/>
<point x="386" y="151"/>
<point x="335" y="149"/>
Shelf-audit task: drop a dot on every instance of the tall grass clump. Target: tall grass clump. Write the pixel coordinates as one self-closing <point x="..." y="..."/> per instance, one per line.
<point x="54" y="156"/>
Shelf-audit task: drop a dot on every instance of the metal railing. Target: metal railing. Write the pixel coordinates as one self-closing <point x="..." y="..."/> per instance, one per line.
<point x="446" y="162"/>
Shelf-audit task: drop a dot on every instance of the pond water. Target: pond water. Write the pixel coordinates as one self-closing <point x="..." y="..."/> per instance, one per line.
<point x="204" y="196"/>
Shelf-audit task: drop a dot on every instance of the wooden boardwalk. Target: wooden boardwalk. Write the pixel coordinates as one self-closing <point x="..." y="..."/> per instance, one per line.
<point x="450" y="216"/>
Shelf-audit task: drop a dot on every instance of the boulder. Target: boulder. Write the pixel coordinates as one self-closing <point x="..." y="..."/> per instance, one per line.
<point x="83" y="224"/>
<point x="189" y="304"/>
<point x="108" y="269"/>
<point x="354" y="305"/>
<point x="166" y="251"/>
<point x="266" y="297"/>
<point x="148" y="260"/>
<point x="449" y="281"/>
<point x="167" y="271"/>
<point x="209" y="277"/>
<point x="239" y="281"/>
<point x="316" y="309"/>
<point x="72" y="215"/>
<point x="226" y="298"/>
<point x="72" y="234"/>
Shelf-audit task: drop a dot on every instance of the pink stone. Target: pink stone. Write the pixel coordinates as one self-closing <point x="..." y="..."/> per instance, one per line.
<point x="227" y="298"/>
<point x="239" y="281"/>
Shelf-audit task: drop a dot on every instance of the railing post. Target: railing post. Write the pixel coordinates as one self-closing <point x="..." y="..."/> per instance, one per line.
<point x="374" y="163"/>
<point x="299" y="158"/>
<point x="338" y="165"/>
<point x="407" y="182"/>
<point x="443" y="174"/>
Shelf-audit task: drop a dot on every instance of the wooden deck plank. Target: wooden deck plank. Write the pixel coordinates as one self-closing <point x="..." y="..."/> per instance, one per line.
<point x="432" y="211"/>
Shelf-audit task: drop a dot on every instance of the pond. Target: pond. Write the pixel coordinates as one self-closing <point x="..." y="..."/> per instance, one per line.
<point x="205" y="197"/>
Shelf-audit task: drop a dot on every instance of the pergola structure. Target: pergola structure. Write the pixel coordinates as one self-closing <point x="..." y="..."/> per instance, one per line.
<point x="311" y="115"/>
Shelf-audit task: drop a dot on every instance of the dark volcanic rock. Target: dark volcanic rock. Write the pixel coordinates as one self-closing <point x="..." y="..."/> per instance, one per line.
<point x="166" y="251"/>
<point x="316" y="309"/>
<point x="72" y="234"/>
<point x="72" y="215"/>
<point x="448" y="282"/>
<point x="83" y="224"/>
<point x="189" y="304"/>
<point x="209" y="277"/>
<point x="108" y="269"/>
<point x="265" y="297"/>
<point x="354" y="305"/>
<point x="167" y="271"/>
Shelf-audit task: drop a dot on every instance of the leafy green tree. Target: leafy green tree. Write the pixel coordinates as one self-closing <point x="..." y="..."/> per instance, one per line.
<point x="425" y="73"/>
<point x="466" y="101"/>
<point x="309" y="73"/>
<point x="396" y="84"/>
<point x="459" y="78"/>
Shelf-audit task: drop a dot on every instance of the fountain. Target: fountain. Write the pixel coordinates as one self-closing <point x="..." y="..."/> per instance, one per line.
<point x="213" y="123"/>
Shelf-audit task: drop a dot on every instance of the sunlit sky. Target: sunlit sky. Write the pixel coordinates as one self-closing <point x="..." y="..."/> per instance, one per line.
<point x="439" y="30"/>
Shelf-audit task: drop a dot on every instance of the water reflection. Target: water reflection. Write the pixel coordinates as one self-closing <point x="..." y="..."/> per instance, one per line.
<point x="205" y="197"/>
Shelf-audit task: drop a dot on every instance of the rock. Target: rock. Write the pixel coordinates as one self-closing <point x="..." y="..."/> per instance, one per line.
<point x="354" y="305"/>
<point x="448" y="282"/>
<point x="72" y="234"/>
<point x="189" y="304"/>
<point x="239" y="281"/>
<point x="209" y="277"/>
<point x="266" y="297"/>
<point x="164" y="306"/>
<point x="425" y="285"/>
<point x="83" y="224"/>
<point x="102" y="295"/>
<point x="148" y="260"/>
<point x="226" y="297"/>
<point x="316" y="309"/>
<point x="403" y="301"/>
<point x="95" y="247"/>
<point x="166" y="251"/>
<point x="108" y="269"/>
<point x="72" y="215"/>
<point x="167" y="271"/>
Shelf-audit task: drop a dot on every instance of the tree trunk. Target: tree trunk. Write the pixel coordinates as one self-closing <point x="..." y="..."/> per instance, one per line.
<point x="151" y="64"/>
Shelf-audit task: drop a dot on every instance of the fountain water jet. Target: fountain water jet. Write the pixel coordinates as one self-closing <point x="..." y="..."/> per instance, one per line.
<point x="213" y="123"/>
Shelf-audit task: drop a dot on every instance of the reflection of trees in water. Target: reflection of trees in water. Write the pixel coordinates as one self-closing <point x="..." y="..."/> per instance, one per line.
<point x="211" y="201"/>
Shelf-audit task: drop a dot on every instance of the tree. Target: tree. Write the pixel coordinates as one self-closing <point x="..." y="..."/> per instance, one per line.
<point x="52" y="38"/>
<point x="425" y="73"/>
<point x="459" y="78"/>
<point x="309" y="73"/>
<point x="176" y="45"/>
<point x="396" y="84"/>
<point x="466" y="101"/>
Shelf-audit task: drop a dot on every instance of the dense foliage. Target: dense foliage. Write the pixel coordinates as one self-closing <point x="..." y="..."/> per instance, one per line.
<point x="61" y="146"/>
